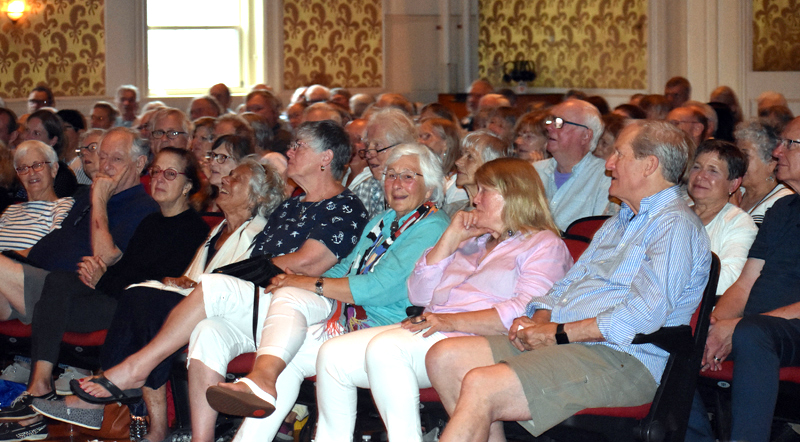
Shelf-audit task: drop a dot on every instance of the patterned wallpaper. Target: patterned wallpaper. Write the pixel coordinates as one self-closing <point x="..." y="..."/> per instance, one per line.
<point x="336" y="43"/>
<point x="574" y="43"/>
<point x="58" y="42"/>
<point x="776" y="35"/>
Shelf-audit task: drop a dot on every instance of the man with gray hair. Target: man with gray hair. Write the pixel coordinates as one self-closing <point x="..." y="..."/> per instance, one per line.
<point x="128" y="104"/>
<point x="645" y="269"/>
<point x="575" y="181"/>
<point x="95" y="232"/>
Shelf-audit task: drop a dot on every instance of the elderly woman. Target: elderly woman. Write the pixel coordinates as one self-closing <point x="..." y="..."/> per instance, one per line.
<point x="306" y="234"/>
<point x="443" y="137"/>
<point x="530" y="136"/>
<point x="760" y="189"/>
<point x="477" y="148"/>
<point x="87" y="167"/>
<point x="85" y="301"/>
<point x="23" y="225"/>
<point x="717" y="173"/>
<point x="202" y="140"/>
<point x="476" y="280"/>
<point x="45" y="126"/>
<point x="366" y="289"/>
<point x="224" y="156"/>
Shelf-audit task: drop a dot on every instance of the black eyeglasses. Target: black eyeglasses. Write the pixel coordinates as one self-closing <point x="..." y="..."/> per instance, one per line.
<point x="171" y="134"/>
<point x="220" y="158"/>
<point x="559" y="122"/>
<point x="374" y="151"/>
<point x="788" y="142"/>
<point x="36" y="167"/>
<point x="83" y="150"/>
<point x="169" y="174"/>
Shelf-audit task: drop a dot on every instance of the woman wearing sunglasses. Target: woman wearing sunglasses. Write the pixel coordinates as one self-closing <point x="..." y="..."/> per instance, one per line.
<point x="23" y="225"/>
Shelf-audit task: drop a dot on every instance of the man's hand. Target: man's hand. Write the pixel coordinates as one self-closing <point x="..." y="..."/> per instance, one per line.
<point x="526" y="334"/>
<point x="91" y="269"/>
<point x="104" y="186"/>
<point x="718" y="343"/>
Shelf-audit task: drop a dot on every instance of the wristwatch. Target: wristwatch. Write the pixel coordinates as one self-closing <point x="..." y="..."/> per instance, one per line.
<point x="318" y="286"/>
<point x="561" y="335"/>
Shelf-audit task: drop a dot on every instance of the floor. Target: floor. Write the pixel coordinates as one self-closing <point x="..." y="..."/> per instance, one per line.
<point x="62" y="432"/>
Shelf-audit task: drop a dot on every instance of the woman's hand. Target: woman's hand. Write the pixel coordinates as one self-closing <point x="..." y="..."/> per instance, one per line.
<point x="433" y="322"/>
<point x="183" y="282"/>
<point x="462" y="227"/>
<point x="289" y="280"/>
<point x="91" y="269"/>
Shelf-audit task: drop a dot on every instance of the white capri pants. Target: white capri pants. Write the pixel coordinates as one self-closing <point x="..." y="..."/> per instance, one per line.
<point x="391" y="362"/>
<point x="294" y="330"/>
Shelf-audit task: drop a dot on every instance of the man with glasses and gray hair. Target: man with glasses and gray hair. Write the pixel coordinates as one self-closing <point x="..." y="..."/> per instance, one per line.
<point x="575" y="180"/>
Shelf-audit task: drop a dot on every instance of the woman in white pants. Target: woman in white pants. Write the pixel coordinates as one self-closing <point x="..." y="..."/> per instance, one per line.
<point x="476" y="280"/>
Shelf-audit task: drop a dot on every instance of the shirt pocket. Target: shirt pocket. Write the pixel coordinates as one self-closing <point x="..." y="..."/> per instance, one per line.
<point x="633" y="257"/>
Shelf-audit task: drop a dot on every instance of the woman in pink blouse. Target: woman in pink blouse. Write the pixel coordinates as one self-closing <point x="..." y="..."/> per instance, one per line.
<point x="476" y="280"/>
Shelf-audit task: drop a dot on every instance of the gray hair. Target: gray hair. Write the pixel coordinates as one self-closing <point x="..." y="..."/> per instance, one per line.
<point x="487" y="143"/>
<point x="763" y="137"/>
<point x="186" y="123"/>
<point x="708" y="111"/>
<point x="332" y="113"/>
<point x="110" y="109"/>
<point x="592" y="119"/>
<point x="46" y="150"/>
<point x="139" y="146"/>
<point x="397" y="125"/>
<point x="664" y="141"/>
<point x="429" y="163"/>
<point x="327" y="135"/>
<point x="128" y="87"/>
<point x="266" y="186"/>
<point x="89" y="133"/>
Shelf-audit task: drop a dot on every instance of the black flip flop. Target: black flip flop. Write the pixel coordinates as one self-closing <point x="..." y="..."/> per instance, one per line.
<point x="125" y="397"/>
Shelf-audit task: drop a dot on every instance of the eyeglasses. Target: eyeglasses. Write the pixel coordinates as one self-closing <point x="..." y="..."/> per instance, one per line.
<point x="372" y="151"/>
<point x="677" y="122"/>
<point x="171" y="134"/>
<point x="406" y="177"/>
<point x="83" y="150"/>
<point x="37" y="167"/>
<point x="208" y="139"/>
<point x="362" y="153"/>
<point x="220" y="158"/>
<point x="559" y="122"/>
<point x="788" y="142"/>
<point x="39" y="102"/>
<point x="297" y="144"/>
<point x="169" y="174"/>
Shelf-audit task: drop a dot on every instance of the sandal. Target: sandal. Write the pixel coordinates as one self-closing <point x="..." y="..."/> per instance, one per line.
<point x="125" y="397"/>
<point x="258" y="404"/>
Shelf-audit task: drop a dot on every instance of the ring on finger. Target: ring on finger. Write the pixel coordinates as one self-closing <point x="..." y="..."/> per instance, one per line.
<point x="418" y="319"/>
<point x="716" y="359"/>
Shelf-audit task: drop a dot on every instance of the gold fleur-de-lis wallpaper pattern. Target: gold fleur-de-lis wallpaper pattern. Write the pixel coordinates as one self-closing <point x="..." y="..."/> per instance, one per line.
<point x="776" y="35"/>
<point x="336" y="43"/>
<point x="60" y="43"/>
<point x="573" y="43"/>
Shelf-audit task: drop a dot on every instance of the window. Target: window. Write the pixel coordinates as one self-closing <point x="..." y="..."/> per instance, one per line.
<point x="194" y="44"/>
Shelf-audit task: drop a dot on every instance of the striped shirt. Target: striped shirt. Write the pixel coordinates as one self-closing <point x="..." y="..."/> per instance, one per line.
<point x="23" y="225"/>
<point x="641" y="272"/>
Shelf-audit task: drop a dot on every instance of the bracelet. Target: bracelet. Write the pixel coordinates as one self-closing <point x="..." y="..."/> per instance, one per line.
<point x="561" y="335"/>
<point x="318" y="286"/>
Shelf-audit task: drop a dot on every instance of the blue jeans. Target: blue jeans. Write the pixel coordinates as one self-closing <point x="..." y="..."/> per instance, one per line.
<point x="761" y="346"/>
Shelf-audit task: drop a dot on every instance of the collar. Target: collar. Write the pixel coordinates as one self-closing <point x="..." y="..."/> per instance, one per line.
<point x="652" y="204"/>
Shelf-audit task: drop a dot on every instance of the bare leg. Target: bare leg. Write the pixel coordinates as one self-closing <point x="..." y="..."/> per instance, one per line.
<point x="41" y="381"/>
<point x="156" y="401"/>
<point x="265" y="374"/>
<point x="12" y="290"/>
<point x="175" y="333"/>
<point x="203" y="416"/>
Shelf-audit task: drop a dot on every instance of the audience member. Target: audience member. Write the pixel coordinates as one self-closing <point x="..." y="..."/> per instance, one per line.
<point x="357" y="170"/>
<point x="268" y="106"/>
<point x="204" y="106"/>
<point x="40" y="96"/>
<point x="225" y="155"/>
<point x="316" y="93"/>
<point x="477" y="147"/>
<point x="202" y="139"/>
<point x="341" y="97"/>
<point x="262" y="134"/>
<point x="691" y="121"/>
<point x="655" y="106"/>
<point x="770" y="98"/>
<point x="477" y="90"/>
<point x="223" y="96"/>
<point x="86" y="169"/>
<point x="677" y="91"/>
<point x="73" y="125"/>
<point x="574" y="180"/>
<point x="710" y="114"/>
<point x="776" y="116"/>
<point x="443" y="137"/>
<point x="726" y="95"/>
<point x="502" y="121"/>
<point x="437" y="110"/>
<point x="630" y="111"/>
<point x="755" y="323"/>
<point x="232" y="124"/>
<point x="760" y="188"/>
<point x="359" y="103"/>
<point x="104" y="115"/>
<point x="45" y="126"/>
<point x="612" y="126"/>
<point x="321" y="111"/>
<point x="715" y="175"/>
<point x="171" y="128"/>
<point x="127" y="101"/>
<point x="646" y="268"/>
<point x="294" y="113"/>
<point x="8" y="127"/>
<point x="396" y="101"/>
<point x="600" y="103"/>
<point x="530" y="136"/>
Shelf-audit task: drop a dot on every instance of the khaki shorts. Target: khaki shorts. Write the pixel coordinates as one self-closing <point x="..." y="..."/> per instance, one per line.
<point x="562" y="380"/>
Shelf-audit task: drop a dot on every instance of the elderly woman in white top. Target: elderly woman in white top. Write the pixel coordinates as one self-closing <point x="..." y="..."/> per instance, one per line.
<point x="23" y="225"/>
<point x="760" y="189"/>
<point x="477" y="279"/>
<point x="715" y="175"/>
<point x="477" y="148"/>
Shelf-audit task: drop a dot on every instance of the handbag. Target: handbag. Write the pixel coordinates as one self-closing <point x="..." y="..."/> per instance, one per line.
<point x="257" y="269"/>
<point x="116" y="423"/>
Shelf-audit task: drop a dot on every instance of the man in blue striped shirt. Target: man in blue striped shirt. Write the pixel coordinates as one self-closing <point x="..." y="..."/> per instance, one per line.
<point x="646" y="268"/>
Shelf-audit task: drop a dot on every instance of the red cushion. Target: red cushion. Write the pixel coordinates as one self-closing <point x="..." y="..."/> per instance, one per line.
<point x="15" y="329"/>
<point x="638" y="412"/>
<point x="242" y="363"/>
<point x="428" y="395"/>
<point x="788" y="374"/>
<point x="91" y="339"/>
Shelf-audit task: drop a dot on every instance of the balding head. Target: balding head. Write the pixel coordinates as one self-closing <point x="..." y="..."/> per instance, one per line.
<point x="771" y="98"/>
<point x="493" y="101"/>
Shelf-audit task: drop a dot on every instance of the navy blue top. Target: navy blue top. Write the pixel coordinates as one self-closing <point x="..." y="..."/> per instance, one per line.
<point x="778" y="244"/>
<point x="63" y="249"/>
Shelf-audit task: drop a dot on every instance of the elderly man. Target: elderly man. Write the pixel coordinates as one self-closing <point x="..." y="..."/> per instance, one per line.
<point x="322" y="111"/>
<point x="477" y="90"/>
<point x="128" y="104"/>
<point x="691" y="121"/>
<point x="756" y="323"/>
<point x="204" y="106"/>
<point x="268" y="106"/>
<point x="678" y="90"/>
<point x="40" y="96"/>
<point x="99" y="225"/>
<point x="645" y="269"/>
<point x="770" y="98"/>
<point x="575" y="180"/>
<point x="171" y="128"/>
<point x="103" y="115"/>
<point x="223" y="96"/>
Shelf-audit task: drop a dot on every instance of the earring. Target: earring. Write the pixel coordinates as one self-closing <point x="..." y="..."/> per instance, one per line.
<point x="322" y="168"/>
<point x="510" y="233"/>
<point x="770" y="178"/>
